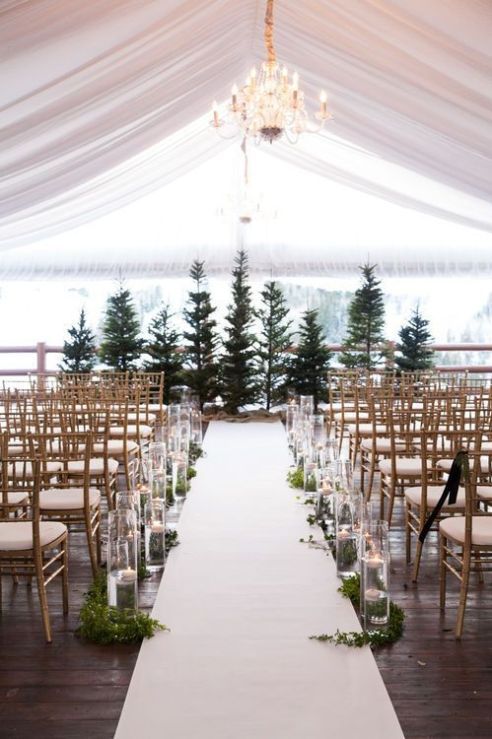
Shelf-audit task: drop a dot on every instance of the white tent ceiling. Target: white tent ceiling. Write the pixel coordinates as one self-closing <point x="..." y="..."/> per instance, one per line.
<point x="102" y="103"/>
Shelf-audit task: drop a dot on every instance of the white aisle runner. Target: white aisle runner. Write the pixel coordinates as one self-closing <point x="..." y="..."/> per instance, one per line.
<point x="241" y="596"/>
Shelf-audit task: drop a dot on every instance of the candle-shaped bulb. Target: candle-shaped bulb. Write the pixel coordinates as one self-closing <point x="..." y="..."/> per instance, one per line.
<point x="252" y="74"/>
<point x="322" y="102"/>
<point x="234" y="96"/>
<point x="285" y="73"/>
<point x="295" y="81"/>
<point x="215" y="113"/>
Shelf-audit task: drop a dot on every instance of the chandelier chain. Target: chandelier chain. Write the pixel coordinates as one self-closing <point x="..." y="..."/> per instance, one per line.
<point x="272" y="57"/>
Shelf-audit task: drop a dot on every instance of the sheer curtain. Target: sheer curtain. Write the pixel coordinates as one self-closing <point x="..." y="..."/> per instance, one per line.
<point x="101" y="102"/>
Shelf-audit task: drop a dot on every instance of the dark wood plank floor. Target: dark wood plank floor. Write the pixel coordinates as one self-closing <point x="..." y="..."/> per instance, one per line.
<point x="440" y="687"/>
<point x="75" y="690"/>
<point x="69" y="688"/>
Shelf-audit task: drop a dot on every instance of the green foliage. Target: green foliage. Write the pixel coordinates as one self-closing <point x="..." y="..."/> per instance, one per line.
<point x="414" y="352"/>
<point x="171" y="539"/>
<point x="79" y="352"/>
<point x="195" y="452"/>
<point x="163" y="349"/>
<point x="102" y="624"/>
<point x="191" y="473"/>
<point x="309" y="365"/>
<point x="295" y="478"/>
<point x="238" y="367"/>
<point x="365" y="323"/>
<point x="202" y="340"/>
<point x="350" y="589"/>
<point x="121" y="344"/>
<point x="274" y="342"/>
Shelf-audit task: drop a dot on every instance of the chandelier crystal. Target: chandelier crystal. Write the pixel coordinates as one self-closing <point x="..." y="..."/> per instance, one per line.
<point x="270" y="104"/>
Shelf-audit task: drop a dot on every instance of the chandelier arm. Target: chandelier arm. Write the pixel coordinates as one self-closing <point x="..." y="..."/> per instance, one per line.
<point x="272" y="57"/>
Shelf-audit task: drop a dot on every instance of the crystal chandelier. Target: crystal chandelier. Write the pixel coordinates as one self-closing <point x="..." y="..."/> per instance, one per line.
<point x="270" y="104"/>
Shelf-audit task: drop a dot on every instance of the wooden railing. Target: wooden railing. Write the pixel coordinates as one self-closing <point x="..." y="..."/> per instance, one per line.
<point x="41" y="350"/>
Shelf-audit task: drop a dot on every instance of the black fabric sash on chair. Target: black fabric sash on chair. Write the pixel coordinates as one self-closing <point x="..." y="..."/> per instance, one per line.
<point x="450" y="489"/>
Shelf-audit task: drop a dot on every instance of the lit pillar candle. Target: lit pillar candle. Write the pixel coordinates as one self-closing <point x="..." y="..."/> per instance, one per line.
<point x="128" y="575"/>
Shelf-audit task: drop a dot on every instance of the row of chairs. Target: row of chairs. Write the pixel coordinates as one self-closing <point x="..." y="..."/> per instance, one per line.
<point x="407" y="432"/>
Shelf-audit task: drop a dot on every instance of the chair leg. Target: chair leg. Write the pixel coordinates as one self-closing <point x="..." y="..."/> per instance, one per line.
<point x="381" y="499"/>
<point x="90" y="543"/>
<point x="479" y="569"/>
<point x="465" y="577"/>
<point x="64" y="548"/>
<point x="408" y="534"/>
<point x="418" y="557"/>
<point x="442" y="571"/>
<point x="43" y="600"/>
<point x="98" y="537"/>
<point x="371" y="477"/>
<point x="391" y="502"/>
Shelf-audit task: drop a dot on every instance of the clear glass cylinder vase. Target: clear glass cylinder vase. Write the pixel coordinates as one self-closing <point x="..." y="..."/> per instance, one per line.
<point x="347" y="538"/>
<point x="122" y="575"/>
<point x="375" y="600"/>
<point x="155" y="535"/>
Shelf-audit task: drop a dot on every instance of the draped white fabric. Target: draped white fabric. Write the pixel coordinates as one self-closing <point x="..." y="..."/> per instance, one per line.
<point x="98" y="100"/>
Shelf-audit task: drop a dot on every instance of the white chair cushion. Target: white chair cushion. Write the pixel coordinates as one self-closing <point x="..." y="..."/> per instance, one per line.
<point x="351" y="417"/>
<point x="434" y="492"/>
<point x="405" y="467"/>
<point x="454" y="528"/>
<point x="365" y="429"/>
<point x="67" y="498"/>
<point x="16" y="498"/>
<point x="131" y="430"/>
<point x="96" y="466"/>
<point x="132" y="417"/>
<point x="484" y="492"/>
<point x="154" y="407"/>
<point x="16" y="536"/>
<point x="383" y="446"/>
<point x="116" y="448"/>
<point x="445" y="464"/>
<point x="18" y="467"/>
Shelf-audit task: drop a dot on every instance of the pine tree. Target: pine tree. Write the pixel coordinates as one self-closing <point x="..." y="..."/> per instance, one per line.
<point x="121" y="345"/>
<point x="414" y="352"/>
<point x="309" y="365"/>
<point x="275" y="340"/>
<point x="238" y="370"/>
<point x="201" y="365"/>
<point x="163" y="349"/>
<point x="79" y="352"/>
<point x="365" y="323"/>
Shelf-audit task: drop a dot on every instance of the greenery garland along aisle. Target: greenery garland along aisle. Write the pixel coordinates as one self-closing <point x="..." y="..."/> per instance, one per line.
<point x="350" y="588"/>
<point x="103" y="624"/>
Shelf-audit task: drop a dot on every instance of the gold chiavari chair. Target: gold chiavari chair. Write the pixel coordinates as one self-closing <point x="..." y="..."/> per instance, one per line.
<point x="31" y="547"/>
<point x="465" y="542"/>
<point x="437" y="450"/>
<point x="68" y="496"/>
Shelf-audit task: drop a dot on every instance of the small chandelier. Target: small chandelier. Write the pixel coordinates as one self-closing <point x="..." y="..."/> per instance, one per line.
<point x="270" y="104"/>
